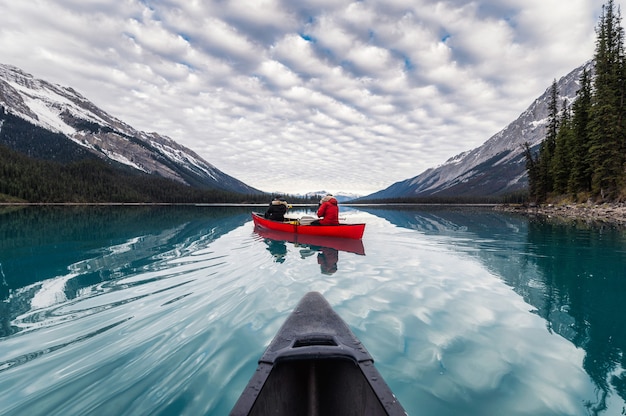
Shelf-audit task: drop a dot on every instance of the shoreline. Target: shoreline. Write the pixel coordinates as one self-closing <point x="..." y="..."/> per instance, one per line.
<point x="608" y="214"/>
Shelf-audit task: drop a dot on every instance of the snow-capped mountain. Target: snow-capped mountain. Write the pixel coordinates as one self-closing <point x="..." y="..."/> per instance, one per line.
<point x="340" y="196"/>
<point x="497" y="167"/>
<point x="64" y="111"/>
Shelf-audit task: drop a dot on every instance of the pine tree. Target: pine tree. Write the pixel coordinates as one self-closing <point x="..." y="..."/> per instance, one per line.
<point x="585" y="154"/>
<point x="580" y="175"/>
<point x="545" y="179"/>
<point x="561" y="166"/>
<point x="607" y="125"/>
<point x="532" y="167"/>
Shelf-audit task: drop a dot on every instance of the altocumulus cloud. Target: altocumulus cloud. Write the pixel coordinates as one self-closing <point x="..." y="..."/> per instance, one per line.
<point x="302" y="96"/>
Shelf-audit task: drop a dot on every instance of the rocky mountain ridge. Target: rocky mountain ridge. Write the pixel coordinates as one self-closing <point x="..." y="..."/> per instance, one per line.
<point x="498" y="166"/>
<point x="64" y="111"/>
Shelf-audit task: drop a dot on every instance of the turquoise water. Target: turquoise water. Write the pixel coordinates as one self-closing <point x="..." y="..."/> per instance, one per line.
<point x="165" y="311"/>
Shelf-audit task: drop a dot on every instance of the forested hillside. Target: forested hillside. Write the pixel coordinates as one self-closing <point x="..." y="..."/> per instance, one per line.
<point x="27" y="179"/>
<point x="583" y="156"/>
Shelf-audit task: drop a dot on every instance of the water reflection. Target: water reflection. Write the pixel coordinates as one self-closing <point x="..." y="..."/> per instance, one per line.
<point x="325" y="249"/>
<point x="327" y="258"/>
<point x="277" y="248"/>
<point x="50" y="255"/>
<point x="166" y="310"/>
<point x="572" y="273"/>
<point x="583" y="295"/>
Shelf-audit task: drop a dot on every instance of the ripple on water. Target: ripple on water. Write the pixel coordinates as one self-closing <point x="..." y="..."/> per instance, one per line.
<point x="177" y="326"/>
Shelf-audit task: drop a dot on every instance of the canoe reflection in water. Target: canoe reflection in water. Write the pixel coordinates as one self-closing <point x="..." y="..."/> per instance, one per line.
<point x="326" y="248"/>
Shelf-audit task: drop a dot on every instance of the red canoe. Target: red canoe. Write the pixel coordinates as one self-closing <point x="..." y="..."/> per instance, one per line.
<point x="354" y="231"/>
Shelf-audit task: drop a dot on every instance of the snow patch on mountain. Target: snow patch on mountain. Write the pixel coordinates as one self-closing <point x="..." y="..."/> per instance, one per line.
<point x="496" y="167"/>
<point x="65" y="111"/>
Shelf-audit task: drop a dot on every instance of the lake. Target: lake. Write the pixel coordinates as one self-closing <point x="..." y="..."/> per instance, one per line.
<point x="166" y="310"/>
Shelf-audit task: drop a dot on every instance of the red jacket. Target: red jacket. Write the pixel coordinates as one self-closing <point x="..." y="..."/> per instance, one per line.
<point x="329" y="212"/>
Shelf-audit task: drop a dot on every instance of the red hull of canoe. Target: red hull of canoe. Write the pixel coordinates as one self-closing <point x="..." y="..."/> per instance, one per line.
<point x="354" y="231"/>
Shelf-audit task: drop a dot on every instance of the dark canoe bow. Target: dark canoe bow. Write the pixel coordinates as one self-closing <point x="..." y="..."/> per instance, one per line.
<point x="354" y="231"/>
<point x="315" y="366"/>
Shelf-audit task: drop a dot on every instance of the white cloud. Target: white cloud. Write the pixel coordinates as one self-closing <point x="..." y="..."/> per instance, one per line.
<point x="337" y="95"/>
<point x="278" y="75"/>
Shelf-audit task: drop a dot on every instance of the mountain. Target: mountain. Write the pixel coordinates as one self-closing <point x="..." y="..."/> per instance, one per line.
<point x="52" y="122"/>
<point x="497" y="167"/>
<point x="339" y="196"/>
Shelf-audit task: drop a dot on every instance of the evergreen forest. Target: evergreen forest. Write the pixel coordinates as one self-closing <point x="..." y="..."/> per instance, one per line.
<point x="583" y="156"/>
<point x="40" y="166"/>
<point x="90" y="180"/>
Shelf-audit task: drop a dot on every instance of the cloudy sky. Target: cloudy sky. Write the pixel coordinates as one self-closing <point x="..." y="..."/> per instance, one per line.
<point x="297" y="96"/>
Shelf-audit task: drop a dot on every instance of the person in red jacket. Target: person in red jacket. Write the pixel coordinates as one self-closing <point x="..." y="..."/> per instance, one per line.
<point x="328" y="211"/>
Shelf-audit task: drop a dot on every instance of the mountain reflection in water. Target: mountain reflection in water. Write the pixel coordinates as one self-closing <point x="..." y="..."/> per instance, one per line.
<point x="166" y="310"/>
<point x="50" y="254"/>
<point x="569" y="271"/>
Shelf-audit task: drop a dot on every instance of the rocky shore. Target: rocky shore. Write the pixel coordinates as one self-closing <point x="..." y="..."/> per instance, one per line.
<point x="614" y="214"/>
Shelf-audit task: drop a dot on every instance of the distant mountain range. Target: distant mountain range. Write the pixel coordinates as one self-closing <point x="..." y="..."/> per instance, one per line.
<point x="78" y="129"/>
<point x="75" y="128"/>
<point x="339" y="196"/>
<point x="497" y="167"/>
